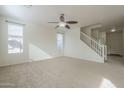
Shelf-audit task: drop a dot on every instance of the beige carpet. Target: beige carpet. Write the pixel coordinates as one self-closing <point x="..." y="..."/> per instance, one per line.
<point x="62" y="72"/>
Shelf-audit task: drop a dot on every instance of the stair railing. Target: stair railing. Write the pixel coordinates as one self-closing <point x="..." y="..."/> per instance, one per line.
<point x="99" y="48"/>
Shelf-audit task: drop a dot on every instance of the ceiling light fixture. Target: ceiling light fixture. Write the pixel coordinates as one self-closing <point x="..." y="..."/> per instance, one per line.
<point x="113" y="30"/>
<point x="62" y="24"/>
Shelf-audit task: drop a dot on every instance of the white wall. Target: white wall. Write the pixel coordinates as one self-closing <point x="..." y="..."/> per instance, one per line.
<point x="1" y="58"/>
<point x="88" y="29"/>
<point x="99" y="35"/>
<point x="103" y="37"/>
<point x="74" y="47"/>
<point x="123" y="44"/>
<point x="39" y="44"/>
<point x="96" y="32"/>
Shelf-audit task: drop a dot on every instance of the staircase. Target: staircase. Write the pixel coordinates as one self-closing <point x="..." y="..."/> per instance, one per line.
<point x="100" y="49"/>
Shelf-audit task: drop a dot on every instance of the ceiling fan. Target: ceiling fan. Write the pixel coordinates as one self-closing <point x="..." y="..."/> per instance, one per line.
<point x="64" y="23"/>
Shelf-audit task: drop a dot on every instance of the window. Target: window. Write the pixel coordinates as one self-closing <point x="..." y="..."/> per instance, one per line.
<point x="15" y="38"/>
<point x="60" y="42"/>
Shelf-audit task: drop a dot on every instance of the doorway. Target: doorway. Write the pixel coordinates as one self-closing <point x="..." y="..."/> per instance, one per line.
<point x="114" y="41"/>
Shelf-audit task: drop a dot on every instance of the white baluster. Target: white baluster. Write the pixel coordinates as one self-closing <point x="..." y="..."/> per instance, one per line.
<point x="100" y="49"/>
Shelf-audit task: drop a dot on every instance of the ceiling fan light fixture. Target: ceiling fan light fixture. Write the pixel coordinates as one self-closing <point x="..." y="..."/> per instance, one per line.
<point x="113" y="30"/>
<point x="62" y="24"/>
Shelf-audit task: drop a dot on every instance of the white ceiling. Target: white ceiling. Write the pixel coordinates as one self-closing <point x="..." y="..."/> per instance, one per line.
<point x="86" y="15"/>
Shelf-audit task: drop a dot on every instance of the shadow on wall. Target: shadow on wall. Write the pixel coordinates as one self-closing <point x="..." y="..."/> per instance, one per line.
<point x="35" y="53"/>
<point x="41" y="43"/>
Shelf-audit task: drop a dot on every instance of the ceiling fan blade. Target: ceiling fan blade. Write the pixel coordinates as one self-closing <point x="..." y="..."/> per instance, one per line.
<point x="71" y="22"/>
<point x="67" y="26"/>
<point x="62" y="19"/>
<point x="53" y="22"/>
